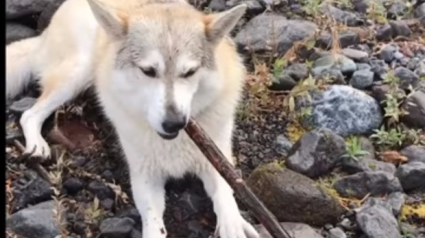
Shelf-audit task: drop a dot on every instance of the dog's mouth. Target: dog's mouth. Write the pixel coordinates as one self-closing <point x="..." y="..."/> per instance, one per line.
<point x="168" y="136"/>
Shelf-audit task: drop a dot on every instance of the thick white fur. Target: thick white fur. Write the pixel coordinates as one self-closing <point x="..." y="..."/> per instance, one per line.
<point x="74" y="50"/>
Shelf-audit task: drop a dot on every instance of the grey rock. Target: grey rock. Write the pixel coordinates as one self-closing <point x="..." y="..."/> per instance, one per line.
<point x="362" y="79"/>
<point x="130" y="212"/>
<point x="413" y="63"/>
<point x="294" y="229"/>
<point x="367" y="145"/>
<point x="384" y="32"/>
<point x="22" y="105"/>
<point x="393" y="202"/>
<point x="362" y="66"/>
<point x="398" y="55"/>
<point x="415" y="107"/>
<point x="31" y="189"/>
<point x="78" y="161"/>
<point x="136" y="234"/>
<point x="360" y="5"/>
<point x="316" y="153"/>
<point x="274" y="186"/>
<point x="16" y="32"/>
<point x="107" y="203"/>
<point x="373" y="201"/>
<point x="35" y="221"/>
<point x="346" y="39"/>
<point x="406" y="77"/>
<point x="339" y="15"/>
<point x="116" y="227"/>
<point x="347" y="224"/>
<point x="341" y="62"/>
<point x="217" y="5"/>
<point x="333" y="75"/>
<point x="13" y="134"/>
<point x="290" y="76"/>
<point x="372" y="220"/>
<point x="420" y="68"/>
<point x="412" y="175"/>
<point x="396" y="201"/>
<point x="404" y="61"/>
<point x="337" y="233"/>
<point x="101" y="190"/>
<point x="414" y="153"/>
<point x="420" y="11"/>
<point x="317" y="54"/>
<point x="400" y="28"/>
<point x="379" y="92"/>
<point x="379" y="67"/>
<point x="387" y="53"/>
<point x="366" y="165"/>
<point x="283" y="145"/>
<point x="360" y="184"/>
<point x="257" y="34"/>
<point x="80" y="227"/>
<point x="342" y="109"/>
<point x="18" y="8"/>
<point x="297" y="71"/>
<point x="356" y="55"/>
<point x="282" y="82"/>
<point x="398" y="8"/>
<point x="253" y="6"/>
<point x="73" y="185"/>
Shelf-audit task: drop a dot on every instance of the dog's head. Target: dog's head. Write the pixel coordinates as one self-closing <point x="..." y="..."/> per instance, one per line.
<point x="164" y="51"/>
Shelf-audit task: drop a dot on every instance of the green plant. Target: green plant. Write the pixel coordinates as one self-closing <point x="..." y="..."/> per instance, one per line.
<point x="413" y="136"/>
<point x="405" y="233"/>
<point x="278" y="66"/>
<point x="94" y="212"/>
<point x="311" y="7"/>
<point x="377" y="12"/>
<point x="305" y="112"/>
<point x="354" y="149"/>
<point x="393" y="99"/>
<point x="392" y="80"/>
<point x="392" y="138"/>
<point x="300" y="90"/>
<point x="392" y="107"/>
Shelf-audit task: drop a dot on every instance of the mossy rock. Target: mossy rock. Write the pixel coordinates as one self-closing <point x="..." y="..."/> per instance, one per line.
<point x="293" y="197"/>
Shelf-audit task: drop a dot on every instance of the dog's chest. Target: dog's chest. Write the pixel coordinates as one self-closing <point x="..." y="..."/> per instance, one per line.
<point x="148" y="153"/>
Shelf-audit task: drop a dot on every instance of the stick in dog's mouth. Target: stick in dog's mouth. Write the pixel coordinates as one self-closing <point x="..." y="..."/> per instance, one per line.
<point x="226" y="170"/>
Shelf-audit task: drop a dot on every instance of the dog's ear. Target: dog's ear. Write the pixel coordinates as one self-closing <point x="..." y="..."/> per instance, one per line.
<point x="114" y="22"/>
<point x="220" y="24"/>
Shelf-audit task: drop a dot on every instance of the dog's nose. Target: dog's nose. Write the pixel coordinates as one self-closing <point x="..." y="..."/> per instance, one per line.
<point x="174" y="124"/>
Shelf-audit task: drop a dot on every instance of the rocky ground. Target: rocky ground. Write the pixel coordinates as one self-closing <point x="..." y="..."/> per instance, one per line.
<point x="330" y="135"/>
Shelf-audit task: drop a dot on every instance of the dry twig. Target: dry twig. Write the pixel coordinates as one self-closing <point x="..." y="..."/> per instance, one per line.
<point x="225" y="168"/>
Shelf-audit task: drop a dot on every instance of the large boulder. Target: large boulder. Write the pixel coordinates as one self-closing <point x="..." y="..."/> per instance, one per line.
<point x="278" y="188"/>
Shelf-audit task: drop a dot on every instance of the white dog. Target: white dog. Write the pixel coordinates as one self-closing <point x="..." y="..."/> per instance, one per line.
<point x="154" y="64"/>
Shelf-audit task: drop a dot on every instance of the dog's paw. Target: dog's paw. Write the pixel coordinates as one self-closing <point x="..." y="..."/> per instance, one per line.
<point x="39" y="149"/>
<point x="236" y="227"/>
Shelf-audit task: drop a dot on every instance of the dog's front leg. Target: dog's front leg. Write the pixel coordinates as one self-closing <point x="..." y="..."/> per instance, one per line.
<point x="149" y="197"/>
<point x="230" y="223"/>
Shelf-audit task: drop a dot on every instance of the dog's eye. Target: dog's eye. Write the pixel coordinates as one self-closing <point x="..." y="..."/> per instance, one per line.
<point x="149" y="72"/>
<point x="188" y="73"/>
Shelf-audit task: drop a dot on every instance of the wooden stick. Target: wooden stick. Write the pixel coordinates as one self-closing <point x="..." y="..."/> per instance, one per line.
<point x="32" y="164"/>
<point x="226" y="169"/>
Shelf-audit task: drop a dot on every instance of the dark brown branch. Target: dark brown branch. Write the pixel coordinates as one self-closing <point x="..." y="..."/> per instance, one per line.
<point x="226" y="169"/>
<point x="32" y="163"/>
